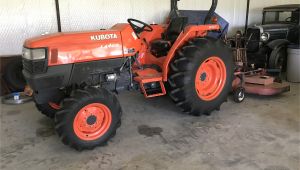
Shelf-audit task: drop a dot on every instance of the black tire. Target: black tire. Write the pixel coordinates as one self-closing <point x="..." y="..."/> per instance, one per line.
<point x="46" y="110"/>
<point x="13" y="75"/>
<point x="65" y="118"/>
<point x="278" y="58"/>
<point x="183" y="69"/>
<point x="239" y="95"/>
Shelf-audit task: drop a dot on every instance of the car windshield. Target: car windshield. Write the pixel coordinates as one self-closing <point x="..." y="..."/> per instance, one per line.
<point x="281" y="17"/>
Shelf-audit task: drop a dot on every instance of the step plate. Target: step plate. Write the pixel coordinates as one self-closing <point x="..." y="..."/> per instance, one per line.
<point x="150" y="76"/>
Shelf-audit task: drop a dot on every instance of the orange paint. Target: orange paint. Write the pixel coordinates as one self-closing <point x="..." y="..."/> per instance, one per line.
<point x="75" y="47"/>
<point x="150" y="76"/>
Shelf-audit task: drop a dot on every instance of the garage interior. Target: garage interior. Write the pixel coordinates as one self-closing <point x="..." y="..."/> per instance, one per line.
<point x="262" y="132"/>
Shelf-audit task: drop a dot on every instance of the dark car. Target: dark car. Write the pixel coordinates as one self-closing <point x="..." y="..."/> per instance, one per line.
<point x="267" y="45"/>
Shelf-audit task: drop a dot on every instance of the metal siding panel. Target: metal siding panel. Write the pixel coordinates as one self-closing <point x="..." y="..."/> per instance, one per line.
<point x="151" y="11"/>
<point x="24" y="19"/>
<point x="80" y="15"/>
<point x="21" y="19"/>
<point x="231" y="10"/>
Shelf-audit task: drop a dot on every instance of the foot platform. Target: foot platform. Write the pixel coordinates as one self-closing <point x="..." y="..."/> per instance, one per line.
<point x="150" y="82"/>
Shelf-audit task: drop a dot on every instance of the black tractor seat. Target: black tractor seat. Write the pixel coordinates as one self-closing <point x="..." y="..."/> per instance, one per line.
<point x="161" y="47"/>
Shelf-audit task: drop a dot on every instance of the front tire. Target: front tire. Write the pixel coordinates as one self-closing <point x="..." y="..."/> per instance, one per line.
<point x="278" y="58"/>
<point x="52" y="107"/>
<point x="89" y="118"/>
<point x="48" y="109"/>
<point x="201" y="75"/>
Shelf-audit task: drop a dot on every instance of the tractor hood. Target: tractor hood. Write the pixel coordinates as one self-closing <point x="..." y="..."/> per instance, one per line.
<point x="275" y="31"/>
<point x="74" y="47"/>
<point x="72" y="38"/>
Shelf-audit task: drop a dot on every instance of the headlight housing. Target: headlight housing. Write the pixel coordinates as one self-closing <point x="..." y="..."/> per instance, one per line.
<point x="265" y="36"/>
<point x="34" y="54"/>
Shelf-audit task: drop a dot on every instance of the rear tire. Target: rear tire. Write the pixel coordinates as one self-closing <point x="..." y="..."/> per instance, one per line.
<point x="89" y="118"/>
<point x="186" y="65"/>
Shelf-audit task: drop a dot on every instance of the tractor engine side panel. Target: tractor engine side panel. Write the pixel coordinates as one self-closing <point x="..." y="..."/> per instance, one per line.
<point x="94" y="74"/>
<point x="47" y="85"/>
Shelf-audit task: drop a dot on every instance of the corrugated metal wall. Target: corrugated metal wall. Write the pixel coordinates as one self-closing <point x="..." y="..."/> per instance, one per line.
<point x="94" y="14"/>
<point x="232" y="10"/>
<point x="21" y="19"/>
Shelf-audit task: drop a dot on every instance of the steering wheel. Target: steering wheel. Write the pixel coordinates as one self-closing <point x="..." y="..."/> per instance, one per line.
<point x="139" y="26"/>
<point x="288" y="19"/>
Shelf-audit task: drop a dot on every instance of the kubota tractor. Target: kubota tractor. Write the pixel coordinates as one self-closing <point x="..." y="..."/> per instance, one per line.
<point x="75" y="76"/>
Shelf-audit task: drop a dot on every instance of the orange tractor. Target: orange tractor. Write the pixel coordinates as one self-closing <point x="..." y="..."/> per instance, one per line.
<point x="76" y="76"/>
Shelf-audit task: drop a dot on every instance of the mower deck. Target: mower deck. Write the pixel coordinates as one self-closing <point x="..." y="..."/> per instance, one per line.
<point x="267" y="90"/>
<point x="259" y="83"/>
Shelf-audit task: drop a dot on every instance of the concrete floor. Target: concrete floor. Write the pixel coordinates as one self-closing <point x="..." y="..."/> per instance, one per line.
<point x="261" y="133"/>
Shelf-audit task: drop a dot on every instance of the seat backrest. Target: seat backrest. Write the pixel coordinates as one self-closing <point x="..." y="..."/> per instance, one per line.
<point x="175" y="27"/>
<point x="295" y="17"/>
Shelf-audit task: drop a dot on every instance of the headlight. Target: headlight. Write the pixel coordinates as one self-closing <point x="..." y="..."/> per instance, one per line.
<point x="34" y="54"/>
<point x="265" y="36"/>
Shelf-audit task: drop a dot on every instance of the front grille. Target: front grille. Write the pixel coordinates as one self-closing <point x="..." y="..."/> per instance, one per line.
<point x="35" y="66"/>
<point x="253" y="44"/>
<point x="254" y="32"/>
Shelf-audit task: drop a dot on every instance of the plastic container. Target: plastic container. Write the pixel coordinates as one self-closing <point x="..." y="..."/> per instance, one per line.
<point x="16" y="98"/>
<point x="293" y="64"/>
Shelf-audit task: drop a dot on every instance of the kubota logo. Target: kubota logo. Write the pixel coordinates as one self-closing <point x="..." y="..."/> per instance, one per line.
<point x="103" y="37"/>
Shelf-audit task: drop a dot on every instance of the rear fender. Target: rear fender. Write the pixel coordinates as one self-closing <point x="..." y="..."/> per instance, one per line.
<point x="188" y="33"/>
<point x="277" y="43"/>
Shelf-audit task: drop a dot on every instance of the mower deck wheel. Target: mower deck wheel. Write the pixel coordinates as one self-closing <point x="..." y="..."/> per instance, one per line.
<point x="239" y="95"/>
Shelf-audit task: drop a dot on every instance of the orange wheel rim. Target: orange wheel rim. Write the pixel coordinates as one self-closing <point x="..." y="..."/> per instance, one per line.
<point x="54" y="106"/>
<point x="210" y="78"/>
<point x="92" y="121"/>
